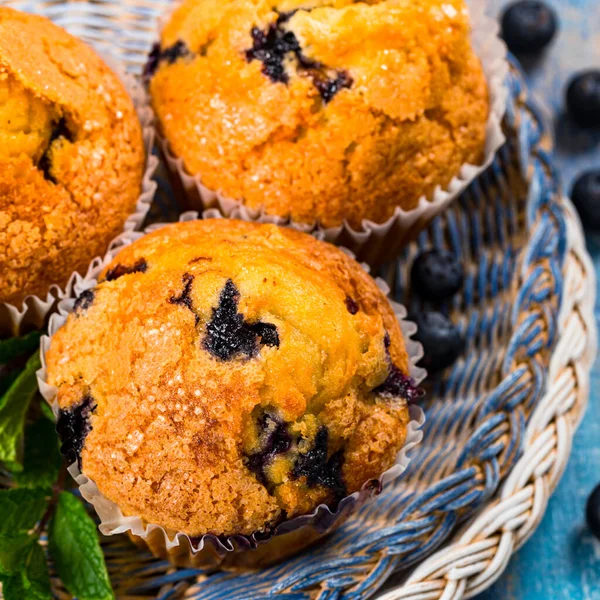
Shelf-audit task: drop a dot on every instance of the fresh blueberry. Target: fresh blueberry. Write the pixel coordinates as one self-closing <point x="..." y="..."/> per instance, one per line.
<point x="442" y="341"/>
<point x="583" y="98"/>
<point x="436" y="275"/>
<point x="528" y="26"/>
<point x="592" y="512"/>
<point x="586" y="198"/>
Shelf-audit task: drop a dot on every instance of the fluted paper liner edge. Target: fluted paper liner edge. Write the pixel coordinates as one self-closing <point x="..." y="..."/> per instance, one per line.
<point x="322" y="519"/>
<point x="34" y="310"/>
<point x="376" y="243"/>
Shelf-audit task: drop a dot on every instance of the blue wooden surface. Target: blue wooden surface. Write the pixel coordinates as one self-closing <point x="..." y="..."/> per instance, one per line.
<point x="562" y="560"/>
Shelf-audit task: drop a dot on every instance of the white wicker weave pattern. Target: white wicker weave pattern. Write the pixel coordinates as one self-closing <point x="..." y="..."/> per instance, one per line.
<point x="481" y="551"/>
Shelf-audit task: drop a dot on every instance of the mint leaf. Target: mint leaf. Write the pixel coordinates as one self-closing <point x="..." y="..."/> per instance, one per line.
<point x="9" y="373"/>
<point x="15" y="347"/>
<point x="47" y="411"/>
<point x="13" y="408"/>
<point x="13" y="358"/>
<point x="74" y="547"/>
<point x="31" y="581"/>
<point x="41" y="460"/>
<point x="12" y="550"/>
<point x="20" y="510"/>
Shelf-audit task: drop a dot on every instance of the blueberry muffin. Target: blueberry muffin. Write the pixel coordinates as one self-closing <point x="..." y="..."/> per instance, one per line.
<point x="321" y="109"/>
<point x="71" y="156"/>
<point x="224" y="376"/>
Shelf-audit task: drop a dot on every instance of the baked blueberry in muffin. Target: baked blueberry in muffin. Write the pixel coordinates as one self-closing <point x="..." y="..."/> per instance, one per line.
<point x="248" y="374"/>
<point x="71" y="156"/>
<point x="325" y="110"/>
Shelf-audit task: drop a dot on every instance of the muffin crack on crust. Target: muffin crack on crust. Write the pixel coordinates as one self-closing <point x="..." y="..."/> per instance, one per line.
<point x="71" y="156"/>
<point x="321" y="111"/>
<point x="247" y="375"/>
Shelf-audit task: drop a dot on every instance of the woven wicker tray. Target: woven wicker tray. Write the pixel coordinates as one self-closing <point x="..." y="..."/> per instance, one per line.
<point x="501" y="423"/>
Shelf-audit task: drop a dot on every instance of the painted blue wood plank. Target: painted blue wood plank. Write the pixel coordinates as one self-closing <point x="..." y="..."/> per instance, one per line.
<point x="562" y="560"/>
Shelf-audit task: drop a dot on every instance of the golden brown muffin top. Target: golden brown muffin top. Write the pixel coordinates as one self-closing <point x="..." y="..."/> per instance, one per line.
<point x="225" y="375"/>
<point x="71" y="155"/>
<point x="321" y="109"/>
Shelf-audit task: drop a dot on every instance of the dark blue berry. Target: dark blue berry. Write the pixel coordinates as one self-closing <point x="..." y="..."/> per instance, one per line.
<point x="329" y="86"/>
<point x="228" y="334"/>
<point x="169" y="55"/>
<point x="273" y="46"/>
<point x="436" y="275"/>
<point x="267" y="332"/>
<point x="153" y="61"/>
<point x="592" y="512"/>
<point x="140" y="266"/>
<point x="399" y="385"/>
<point x="73" y="426"/>
<point x="586" y="198"/>
<point x="528" y="26"/>
<point x="442" y="341"/>
<point x="284" y="17"/>
<point x="320" y="470"/>
<point x="274" y="439"/>
<point x="84" y="301"/>
<point x="59" y="130"/>
<point x="270" y="48"/>
<point x="351" y="305"/>
<point x="178" y="50"/>
<point x="583" y="98"/>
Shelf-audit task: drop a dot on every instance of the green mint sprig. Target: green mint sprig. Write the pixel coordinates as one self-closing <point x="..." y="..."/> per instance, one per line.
<point x="13" y="357"/>
<point x="14" y="405"/>
<point x="74" y="546"/>
<point x="36" y="505"/>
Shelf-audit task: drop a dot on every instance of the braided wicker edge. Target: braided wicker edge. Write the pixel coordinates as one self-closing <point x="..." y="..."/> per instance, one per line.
<point x="480" y="554"/>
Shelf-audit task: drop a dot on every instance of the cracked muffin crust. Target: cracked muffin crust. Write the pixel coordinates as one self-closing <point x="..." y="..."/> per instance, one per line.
<point x="71" y="155"/>
<point x="245" y="375"/>
<point x="321" y="109"/>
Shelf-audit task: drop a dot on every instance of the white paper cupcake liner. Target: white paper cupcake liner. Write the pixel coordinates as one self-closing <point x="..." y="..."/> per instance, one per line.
<point x="34" y="310"/>
<point x="210" y="549"/>
<point x="376" y="243"/>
